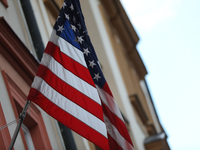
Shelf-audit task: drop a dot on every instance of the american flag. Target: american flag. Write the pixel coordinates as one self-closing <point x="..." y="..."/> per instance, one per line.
<point x="70" y="86"/>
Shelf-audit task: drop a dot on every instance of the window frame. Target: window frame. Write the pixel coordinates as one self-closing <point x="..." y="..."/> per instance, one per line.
<point x="4" y="2"/>
<point x="25" y="65"/>
<point x="37" y="130"/>
<point x="4" y="134"/>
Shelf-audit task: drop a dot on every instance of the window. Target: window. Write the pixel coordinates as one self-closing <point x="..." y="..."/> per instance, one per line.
<point x="28" y="138"/>
<point x="139" y="108"/>
<point x="34" y="129"/>
<point x="21" y="62"/>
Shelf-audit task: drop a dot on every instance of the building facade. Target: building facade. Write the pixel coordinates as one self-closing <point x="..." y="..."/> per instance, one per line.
<point x="25" y="27"/>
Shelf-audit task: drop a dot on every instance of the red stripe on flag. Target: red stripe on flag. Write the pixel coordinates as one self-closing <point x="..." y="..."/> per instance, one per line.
<point x="118" y="123"/>
<point x="69" y="92"/>
<point x="113" y="144"/>
<point x="68" y="120"/>
<point x="114" y="119"/>
<point x="68" y="63"/>
<point x="107" y="89"/>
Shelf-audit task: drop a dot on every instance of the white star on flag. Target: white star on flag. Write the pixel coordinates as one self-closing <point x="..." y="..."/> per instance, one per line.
<point x="74" y="19"/>
<point x="85" y="31"/>
<point x="60" y="28"/>
<point x="73" y="28"/>
<point x="58" y="18"/>
<point x="79" y="25"/>
<point x="92" y="64"/>
<point x="72" y="7"/>
<point x="80" y="39"/>
<point x="86" y="51"/>
<point x="63" y="6"/>
<point x="67" y="16"/>
<point x="97" y="77"/>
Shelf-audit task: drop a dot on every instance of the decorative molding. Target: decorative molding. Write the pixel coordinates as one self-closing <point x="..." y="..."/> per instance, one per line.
<point x="5" y="138"/>
<point x="156" y="142"/>
<point x="34" y="121"/>
<point x="139" y="108"/>
<point x="16" y="53"/>
<point x="24" y="63"/>
<point x="53" y="7"/>
<point x="151" y="129"/>
<point x="6" y="81"/>
<point x="127" y="35"/>
<point x="15" y="92"/>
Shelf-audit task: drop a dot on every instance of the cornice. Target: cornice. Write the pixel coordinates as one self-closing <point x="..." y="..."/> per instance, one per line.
<point x="126" y="33"/>
<point x="53" y="7"/>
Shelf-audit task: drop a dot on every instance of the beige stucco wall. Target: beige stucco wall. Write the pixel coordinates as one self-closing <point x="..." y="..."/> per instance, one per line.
<point x="102" y="43"/>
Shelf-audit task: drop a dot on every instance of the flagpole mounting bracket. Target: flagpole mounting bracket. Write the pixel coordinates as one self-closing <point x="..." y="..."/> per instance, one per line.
<point x="21" y="117"/>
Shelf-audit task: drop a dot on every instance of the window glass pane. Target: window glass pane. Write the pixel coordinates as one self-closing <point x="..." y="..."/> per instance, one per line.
<point x="28" y="138"/>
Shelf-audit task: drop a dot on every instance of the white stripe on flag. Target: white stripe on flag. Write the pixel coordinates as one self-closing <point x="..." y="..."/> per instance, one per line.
<point x="70" y="78"/>
<point x="68" y="48"/>
<point x="109" y="102"/>
<point x="68" y="106"/>
<point x="114" y="133"/>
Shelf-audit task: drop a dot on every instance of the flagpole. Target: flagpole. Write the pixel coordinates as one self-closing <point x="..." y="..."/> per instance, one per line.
<point x="21" y="117"/>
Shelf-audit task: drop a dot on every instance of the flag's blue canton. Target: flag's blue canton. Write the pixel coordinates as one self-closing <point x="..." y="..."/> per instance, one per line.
<point x="70" y="25"/>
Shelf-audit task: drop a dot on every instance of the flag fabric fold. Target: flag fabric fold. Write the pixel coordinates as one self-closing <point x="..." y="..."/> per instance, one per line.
<point x="70" y="86"/>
